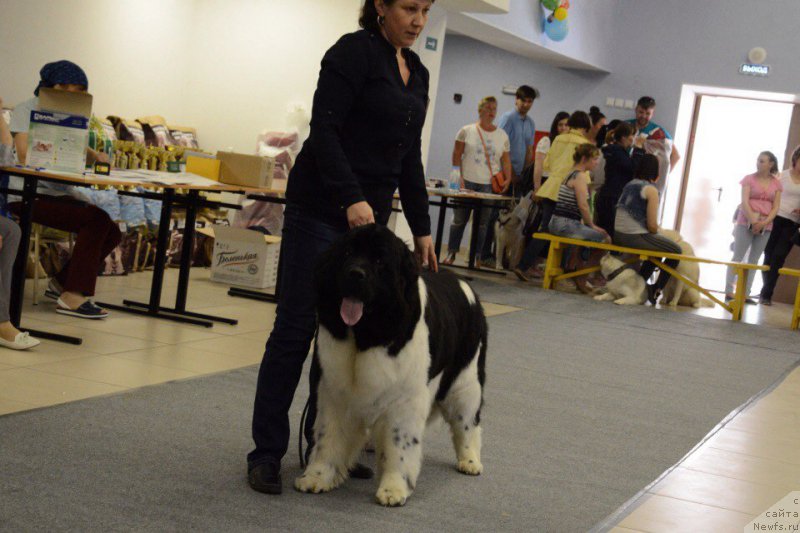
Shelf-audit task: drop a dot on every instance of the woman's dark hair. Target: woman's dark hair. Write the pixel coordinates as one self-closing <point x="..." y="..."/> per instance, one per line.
<point x="647" y="169"/>
<point x="579" y="120"/>
<point x="585" y="151"/>
<point x="561" y="115"/>
<point x="369" y="15"/>
<point x="773" y="169"/>
<point x="795" y="156"/>
<point x="595" y="114"/>
<point x="622" y="130"/>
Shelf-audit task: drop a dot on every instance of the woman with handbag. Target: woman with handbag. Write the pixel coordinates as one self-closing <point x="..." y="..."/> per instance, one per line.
<point x="481" y="153"/>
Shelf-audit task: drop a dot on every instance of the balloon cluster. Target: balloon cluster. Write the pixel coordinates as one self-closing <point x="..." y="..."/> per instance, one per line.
<point x="555" y="23"/>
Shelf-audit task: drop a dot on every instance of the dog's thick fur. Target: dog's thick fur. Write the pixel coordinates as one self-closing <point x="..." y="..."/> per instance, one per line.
<point x="416" y="344"/>
<point x="676" y="292"/>
<point x="627" y="288"/>
<point x="509" y="240"/>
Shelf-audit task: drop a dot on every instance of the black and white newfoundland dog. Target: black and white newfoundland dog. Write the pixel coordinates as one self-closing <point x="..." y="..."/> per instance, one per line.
<point x="393" y="347"/>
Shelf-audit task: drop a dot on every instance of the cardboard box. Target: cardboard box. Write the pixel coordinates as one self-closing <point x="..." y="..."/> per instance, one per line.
<point x="245" y="170"/>
<point x="203" y="166"/>
<point x="244" y="257"/>
<point x="59" y="131"/>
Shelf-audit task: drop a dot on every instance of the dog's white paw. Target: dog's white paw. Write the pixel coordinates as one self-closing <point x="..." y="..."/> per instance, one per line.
<point x="393" y="491"/>
<point x="470" y="467"/>
<point x="316" y="481"/>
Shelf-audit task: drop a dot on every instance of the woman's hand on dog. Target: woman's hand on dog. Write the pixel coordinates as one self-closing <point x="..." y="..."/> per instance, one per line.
<point x="360" y="214"/>
<point x="425" y="253"/>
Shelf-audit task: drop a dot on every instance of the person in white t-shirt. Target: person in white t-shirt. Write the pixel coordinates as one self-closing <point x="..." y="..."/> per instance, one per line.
<point x="481" y="151"/>
<point x="784" y="227"/>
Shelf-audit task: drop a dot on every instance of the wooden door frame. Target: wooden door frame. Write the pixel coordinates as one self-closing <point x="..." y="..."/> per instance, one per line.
<point x="698" y="93"/>
<point x="687" y="166"/>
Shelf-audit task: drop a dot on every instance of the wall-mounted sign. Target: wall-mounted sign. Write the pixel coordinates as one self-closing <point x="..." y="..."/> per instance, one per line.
<point x="754" y="70"/>
<point x="431" y="43"/>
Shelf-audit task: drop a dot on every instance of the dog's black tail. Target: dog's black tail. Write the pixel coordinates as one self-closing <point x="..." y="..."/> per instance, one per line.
<point x="482" y="360"/>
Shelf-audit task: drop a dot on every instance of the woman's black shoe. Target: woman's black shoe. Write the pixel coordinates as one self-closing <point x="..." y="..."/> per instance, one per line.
<point x="764" y="301"/>
<point x="266" y="478"/>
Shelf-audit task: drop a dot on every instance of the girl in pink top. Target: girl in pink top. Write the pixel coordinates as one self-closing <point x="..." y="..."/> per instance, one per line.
<point x="761" y="197"/>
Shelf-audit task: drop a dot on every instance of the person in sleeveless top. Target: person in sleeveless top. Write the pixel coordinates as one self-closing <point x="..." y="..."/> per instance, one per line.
<point x="636" y="222"/>
<point x="572" y="217"/>
<point x="558" y="164"/>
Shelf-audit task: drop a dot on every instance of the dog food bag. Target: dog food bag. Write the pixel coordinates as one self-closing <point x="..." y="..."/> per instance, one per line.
<point x="156" y="131"/>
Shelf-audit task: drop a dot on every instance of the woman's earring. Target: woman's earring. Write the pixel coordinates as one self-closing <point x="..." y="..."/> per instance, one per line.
<point x="381" y="20"/>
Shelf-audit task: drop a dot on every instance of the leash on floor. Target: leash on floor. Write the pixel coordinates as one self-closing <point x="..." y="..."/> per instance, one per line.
<point x="300" y="433"/>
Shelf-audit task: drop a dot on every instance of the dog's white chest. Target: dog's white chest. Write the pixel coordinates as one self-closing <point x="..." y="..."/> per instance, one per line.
<point x="367" y="381"/>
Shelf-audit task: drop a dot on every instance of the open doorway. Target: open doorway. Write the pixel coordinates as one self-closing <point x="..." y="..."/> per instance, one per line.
<point x="727" y="133"/>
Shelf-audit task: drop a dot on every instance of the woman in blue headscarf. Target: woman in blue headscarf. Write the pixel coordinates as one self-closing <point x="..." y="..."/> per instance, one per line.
<point x="97" y="234"/>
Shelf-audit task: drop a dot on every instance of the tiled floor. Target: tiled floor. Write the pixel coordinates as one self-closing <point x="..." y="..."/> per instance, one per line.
<point x="736" y="474"/>
<point x="129" y="351"/>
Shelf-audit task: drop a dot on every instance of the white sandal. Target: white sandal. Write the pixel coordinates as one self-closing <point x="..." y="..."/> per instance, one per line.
<point x="22" y="341"/>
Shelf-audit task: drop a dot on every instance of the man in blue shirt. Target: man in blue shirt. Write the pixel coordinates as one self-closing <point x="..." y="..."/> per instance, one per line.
<point x="520" y="129"/>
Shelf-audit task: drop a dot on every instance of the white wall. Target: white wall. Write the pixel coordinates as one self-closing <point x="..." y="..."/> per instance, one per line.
<point x="228" y="68"/>
<point x="251" y="58"/>
<point x="432" y="59"/>
<point x="659" y="46"/>
<point x="474" y="70"/>
<point x="133" y="52"/>
<point x="520" y="30"/>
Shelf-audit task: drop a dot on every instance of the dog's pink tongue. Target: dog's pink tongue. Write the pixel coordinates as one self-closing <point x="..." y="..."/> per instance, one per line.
<point x="351" y="311"/>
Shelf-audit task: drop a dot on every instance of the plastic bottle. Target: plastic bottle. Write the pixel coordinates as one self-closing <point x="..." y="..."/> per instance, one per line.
<point x="455" y="179"/>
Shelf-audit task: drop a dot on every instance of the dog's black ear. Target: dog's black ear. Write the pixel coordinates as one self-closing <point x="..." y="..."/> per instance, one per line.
<point x="325" y="268"/>
<point x="410" y="271"/>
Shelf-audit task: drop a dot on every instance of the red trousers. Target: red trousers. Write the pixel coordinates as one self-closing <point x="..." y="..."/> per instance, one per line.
<point x="97" y="236"/>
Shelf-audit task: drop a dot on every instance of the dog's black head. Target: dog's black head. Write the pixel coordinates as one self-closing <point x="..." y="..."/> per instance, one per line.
<point x="367" y="281"/>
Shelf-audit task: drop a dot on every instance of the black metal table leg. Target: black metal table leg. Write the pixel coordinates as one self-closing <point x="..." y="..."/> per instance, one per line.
<point x="153" y="307"/>
<point x="18" y="273"/>
<point x="186" y="264"/>
<point x="17" y="295"/>
<point x="476" y="205"/>
<point x="440" y="226"/>
<point x="253" y="295"/>
<point x="473" y="239"/>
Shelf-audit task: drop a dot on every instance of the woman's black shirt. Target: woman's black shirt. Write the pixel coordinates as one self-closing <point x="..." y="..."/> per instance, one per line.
<point x="365" y="135"/>
<point x="618" y="170"/>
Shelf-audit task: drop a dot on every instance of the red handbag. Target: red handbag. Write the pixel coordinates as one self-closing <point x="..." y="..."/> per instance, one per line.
<point x="498" y="180"/>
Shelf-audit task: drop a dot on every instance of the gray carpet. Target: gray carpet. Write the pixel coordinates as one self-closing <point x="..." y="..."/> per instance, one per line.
<point x="586" y="403"/>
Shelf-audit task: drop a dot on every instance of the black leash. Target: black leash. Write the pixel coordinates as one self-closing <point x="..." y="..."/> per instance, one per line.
<point x="300" y="433"/>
